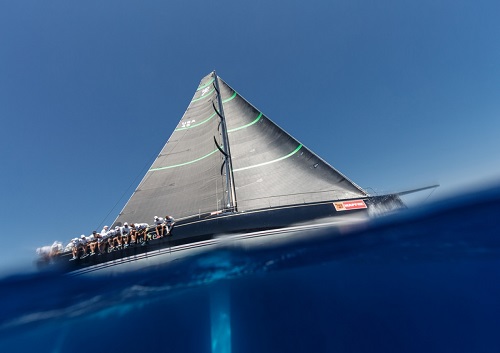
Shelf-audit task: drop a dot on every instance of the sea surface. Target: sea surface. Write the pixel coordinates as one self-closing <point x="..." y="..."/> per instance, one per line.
<point x="423" y="280"/>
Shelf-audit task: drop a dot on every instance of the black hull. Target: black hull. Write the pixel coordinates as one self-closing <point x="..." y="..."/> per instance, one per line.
<point x="197" y="230"/>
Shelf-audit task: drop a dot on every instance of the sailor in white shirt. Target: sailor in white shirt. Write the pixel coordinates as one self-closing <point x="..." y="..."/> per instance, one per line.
<point x="169" y="224"/>
<point x="92" y="240"/>
<point x="160" y="226"/>
<point x="56" y="248"/>
<point x="84" y="242"/>
<point x="139" y="230"/>
<point x="74" y="247"/>
<point x="125" y="234"/>
<point x="79" y="243"/>
<point x="104" y="231"/>
<point x="141" y="226"/>
<point x="101" y="240"/>
<point x="110" y="235"/>
<point x="117" y="237"/>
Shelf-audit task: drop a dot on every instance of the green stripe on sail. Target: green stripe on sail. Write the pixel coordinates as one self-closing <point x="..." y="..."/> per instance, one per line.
<point x="195" y="125"/>
<point x="204" y="96"/>
<point x="247" y="125"/>
<point x="206" y="84"/>
<point x="183" y="164"/>
<point x="230" y="98"/>
<point x="273" y="161"/>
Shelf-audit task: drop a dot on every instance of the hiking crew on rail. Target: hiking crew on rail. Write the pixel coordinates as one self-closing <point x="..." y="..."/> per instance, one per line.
<point x="109" y="240"/>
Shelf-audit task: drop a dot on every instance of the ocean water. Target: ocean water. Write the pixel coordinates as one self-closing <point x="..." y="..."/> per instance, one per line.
<point x="422" y="280"/>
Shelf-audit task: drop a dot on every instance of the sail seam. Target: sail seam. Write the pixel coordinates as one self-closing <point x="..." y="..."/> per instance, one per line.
<point x="230" y="98"/>
<point x="247" y="125"/>
<point x="204" y="96"/>
<point x="185" y="163"/>
<point x="207" y="84"/>
<point x="269" y="162"/>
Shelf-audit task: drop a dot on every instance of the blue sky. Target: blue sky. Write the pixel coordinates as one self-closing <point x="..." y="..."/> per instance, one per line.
<point x="394" y="94"/>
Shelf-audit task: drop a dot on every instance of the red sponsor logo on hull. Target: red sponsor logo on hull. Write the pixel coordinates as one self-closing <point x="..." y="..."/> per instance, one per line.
<point x="350" y="205"/>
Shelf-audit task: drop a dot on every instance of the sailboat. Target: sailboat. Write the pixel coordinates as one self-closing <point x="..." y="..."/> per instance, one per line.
<point x="227" y="169"/>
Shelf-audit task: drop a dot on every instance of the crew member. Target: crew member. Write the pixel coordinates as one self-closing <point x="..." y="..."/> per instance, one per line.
<point x="169" y="224"/>
<point x="160" y="226"/>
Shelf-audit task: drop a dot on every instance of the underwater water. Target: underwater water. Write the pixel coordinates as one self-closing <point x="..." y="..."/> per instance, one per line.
<point x="423" y="280"/>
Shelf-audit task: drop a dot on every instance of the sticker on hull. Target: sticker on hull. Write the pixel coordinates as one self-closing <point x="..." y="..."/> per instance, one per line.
<point x="350" y="205"/>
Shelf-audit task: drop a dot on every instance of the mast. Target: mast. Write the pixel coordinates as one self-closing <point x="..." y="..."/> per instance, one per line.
<point x="231" y="191"/>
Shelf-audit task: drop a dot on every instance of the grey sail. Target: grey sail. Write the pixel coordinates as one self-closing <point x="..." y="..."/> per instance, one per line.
<point x="260" y="165"/>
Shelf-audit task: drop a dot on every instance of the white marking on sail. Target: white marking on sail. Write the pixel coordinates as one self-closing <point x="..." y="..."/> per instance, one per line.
<point x="269" y="162"/>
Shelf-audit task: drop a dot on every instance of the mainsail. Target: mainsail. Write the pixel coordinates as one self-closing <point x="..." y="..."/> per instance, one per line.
<point x="225" y="155"/>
